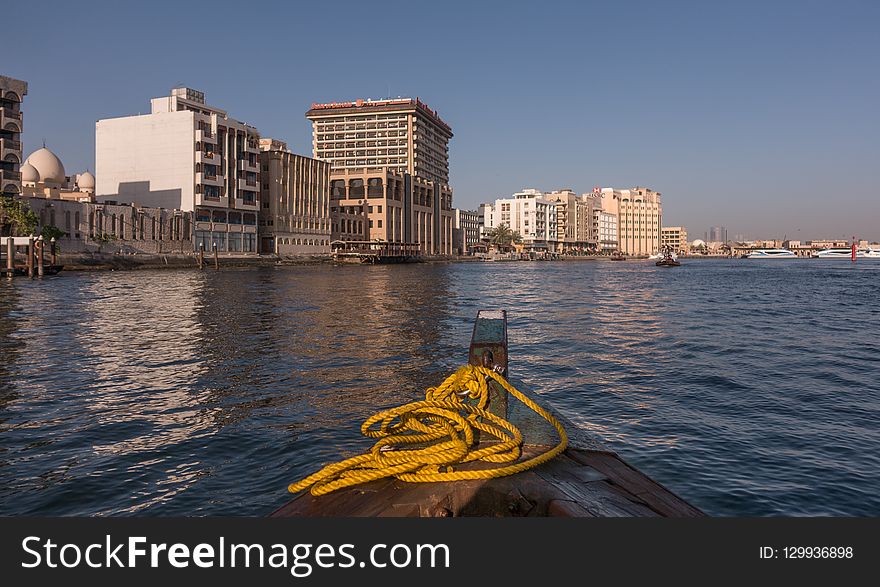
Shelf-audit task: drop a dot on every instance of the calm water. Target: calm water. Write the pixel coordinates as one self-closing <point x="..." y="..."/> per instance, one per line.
<point x="749" y="387"/>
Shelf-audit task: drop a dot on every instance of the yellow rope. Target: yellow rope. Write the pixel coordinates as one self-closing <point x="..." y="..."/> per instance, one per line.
<point x="422" y="441"/>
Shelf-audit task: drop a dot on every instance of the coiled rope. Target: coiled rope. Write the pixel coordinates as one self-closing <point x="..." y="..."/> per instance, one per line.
<point x="423" y="441"/>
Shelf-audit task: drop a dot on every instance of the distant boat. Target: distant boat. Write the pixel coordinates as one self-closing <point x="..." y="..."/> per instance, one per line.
<point x="771" y="254"/>
<point x="617" y="257"/>
<point x="668" y="260"/>
<point x="841" y="253"/>
<point x="836" y="253"/>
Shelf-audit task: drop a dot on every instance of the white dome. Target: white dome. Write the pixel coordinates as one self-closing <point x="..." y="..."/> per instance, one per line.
<point x="698" y="243"/>
<point x="48" y="164"/>
<point x="86" y="181"/>
<point x="29" y="173"/>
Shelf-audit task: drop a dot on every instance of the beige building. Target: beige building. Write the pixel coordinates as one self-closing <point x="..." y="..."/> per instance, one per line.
<point x="674" y="237"/>
<point x="12" y="92"/>
<point x="574" y="221"/>
<point x="91" y="227"/>
<point x="189" y="156"/>
<point x="295" y="196"/>
<point x="639" y="213"/>
<point x="389" y="178"/>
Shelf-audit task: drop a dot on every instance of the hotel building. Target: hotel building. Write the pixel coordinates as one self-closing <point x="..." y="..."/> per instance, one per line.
<point x="389" y="178"/>
<point x="295" y="196"/>
<point x="12" y="92"/>
<point x="638" y="212"/>
<point x="189" y="156"/>
<point x="530" y="214"/>
<point x="674" y="237"/>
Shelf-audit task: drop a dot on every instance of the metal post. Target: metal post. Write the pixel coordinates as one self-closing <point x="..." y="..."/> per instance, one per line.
<point x="30" y="257"/>
<point x="40" y="243"/>
<point x="10" y="257"/>
<point x="216" y="258"/>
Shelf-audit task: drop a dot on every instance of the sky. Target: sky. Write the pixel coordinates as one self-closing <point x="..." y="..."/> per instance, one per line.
<point x="758" y="116"/>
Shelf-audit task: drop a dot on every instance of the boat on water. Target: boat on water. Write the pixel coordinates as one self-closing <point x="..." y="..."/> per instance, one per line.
<point x="770" y="254"/>
<point x="617" y="257"/>
<point x="580" y="478"/>
<point x="668" y="261"/>
<point x="836" y="253"/>
<point x="842" y="253"/>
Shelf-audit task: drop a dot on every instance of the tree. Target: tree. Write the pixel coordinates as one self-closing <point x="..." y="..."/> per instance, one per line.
<point x="502" y="237"/>
<point x="19" y="219"/>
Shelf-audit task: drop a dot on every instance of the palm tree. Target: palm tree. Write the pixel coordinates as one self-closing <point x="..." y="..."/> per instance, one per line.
<point x="502" y="237"/>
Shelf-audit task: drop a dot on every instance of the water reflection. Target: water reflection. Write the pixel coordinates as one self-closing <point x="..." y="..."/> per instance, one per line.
<point x="191" y="393"/>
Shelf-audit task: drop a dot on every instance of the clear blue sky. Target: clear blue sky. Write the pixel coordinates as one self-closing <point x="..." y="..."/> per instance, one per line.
<point x="760" y="116"/>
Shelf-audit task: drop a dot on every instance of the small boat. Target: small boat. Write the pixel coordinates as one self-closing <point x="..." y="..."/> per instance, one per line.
<point x="771" y="254"/>
<point x="617" y="257"/>
<point x="669" y="261"/>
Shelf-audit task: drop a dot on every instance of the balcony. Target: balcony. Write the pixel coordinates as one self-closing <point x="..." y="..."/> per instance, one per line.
<point x="211" y="158"/>
<point x="248" y="186"/>
<point x="208" y="179"/>
<point x="252" y="147"/>
<point x="246" y="165"/>
<point x="10" y="116"/>
<point x="8" y="146"/>
<point x="8" y="175"/>
<point x="205" y="136"/>
<point x="247" y="202"/>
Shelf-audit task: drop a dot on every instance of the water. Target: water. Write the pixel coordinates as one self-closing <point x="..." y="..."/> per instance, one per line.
<point x="748" y="387"/>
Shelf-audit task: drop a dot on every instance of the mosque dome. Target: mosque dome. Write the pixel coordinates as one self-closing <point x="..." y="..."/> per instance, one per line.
<point x="86" y="181"/>
<point x="29" y="173"/>
<point x="48" y="165"/>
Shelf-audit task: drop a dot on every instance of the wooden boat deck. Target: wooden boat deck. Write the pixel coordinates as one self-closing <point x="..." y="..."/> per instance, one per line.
<point x="587" y="480"/>
<point x="578" y="483"/>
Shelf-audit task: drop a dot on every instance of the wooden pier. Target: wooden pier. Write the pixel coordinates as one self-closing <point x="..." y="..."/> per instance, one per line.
<point x="587" y="480"/>
<point x="375" y="252"/>
<point x="35" y="257"/>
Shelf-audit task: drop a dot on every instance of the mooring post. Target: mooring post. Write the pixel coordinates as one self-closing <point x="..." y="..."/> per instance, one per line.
<point x="10" y="257"/>
<point x="30" y="258"/>
<point x="201" y="255"/>
<point x="489" y="349"/>
<point x="216" y="258"/>
<point x="40" y="244"/>
<point x="54" y="260"/>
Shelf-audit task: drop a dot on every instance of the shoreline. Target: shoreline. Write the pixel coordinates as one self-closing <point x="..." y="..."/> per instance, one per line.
<point x="115" y="262"/>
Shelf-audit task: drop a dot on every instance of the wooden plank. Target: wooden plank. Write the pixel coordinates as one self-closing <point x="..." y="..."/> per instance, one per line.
<point x="622" y="474"/>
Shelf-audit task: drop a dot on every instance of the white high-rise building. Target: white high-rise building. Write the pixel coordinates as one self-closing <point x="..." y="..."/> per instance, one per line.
<point x="185" y="155"/>
<point x="527" y="212"/>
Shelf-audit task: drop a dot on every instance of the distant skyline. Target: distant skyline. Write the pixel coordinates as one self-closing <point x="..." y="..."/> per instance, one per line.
<point x="759" y="116"/>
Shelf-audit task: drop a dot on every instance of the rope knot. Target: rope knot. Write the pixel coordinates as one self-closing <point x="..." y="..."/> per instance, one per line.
<point x="421" y="441"/>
